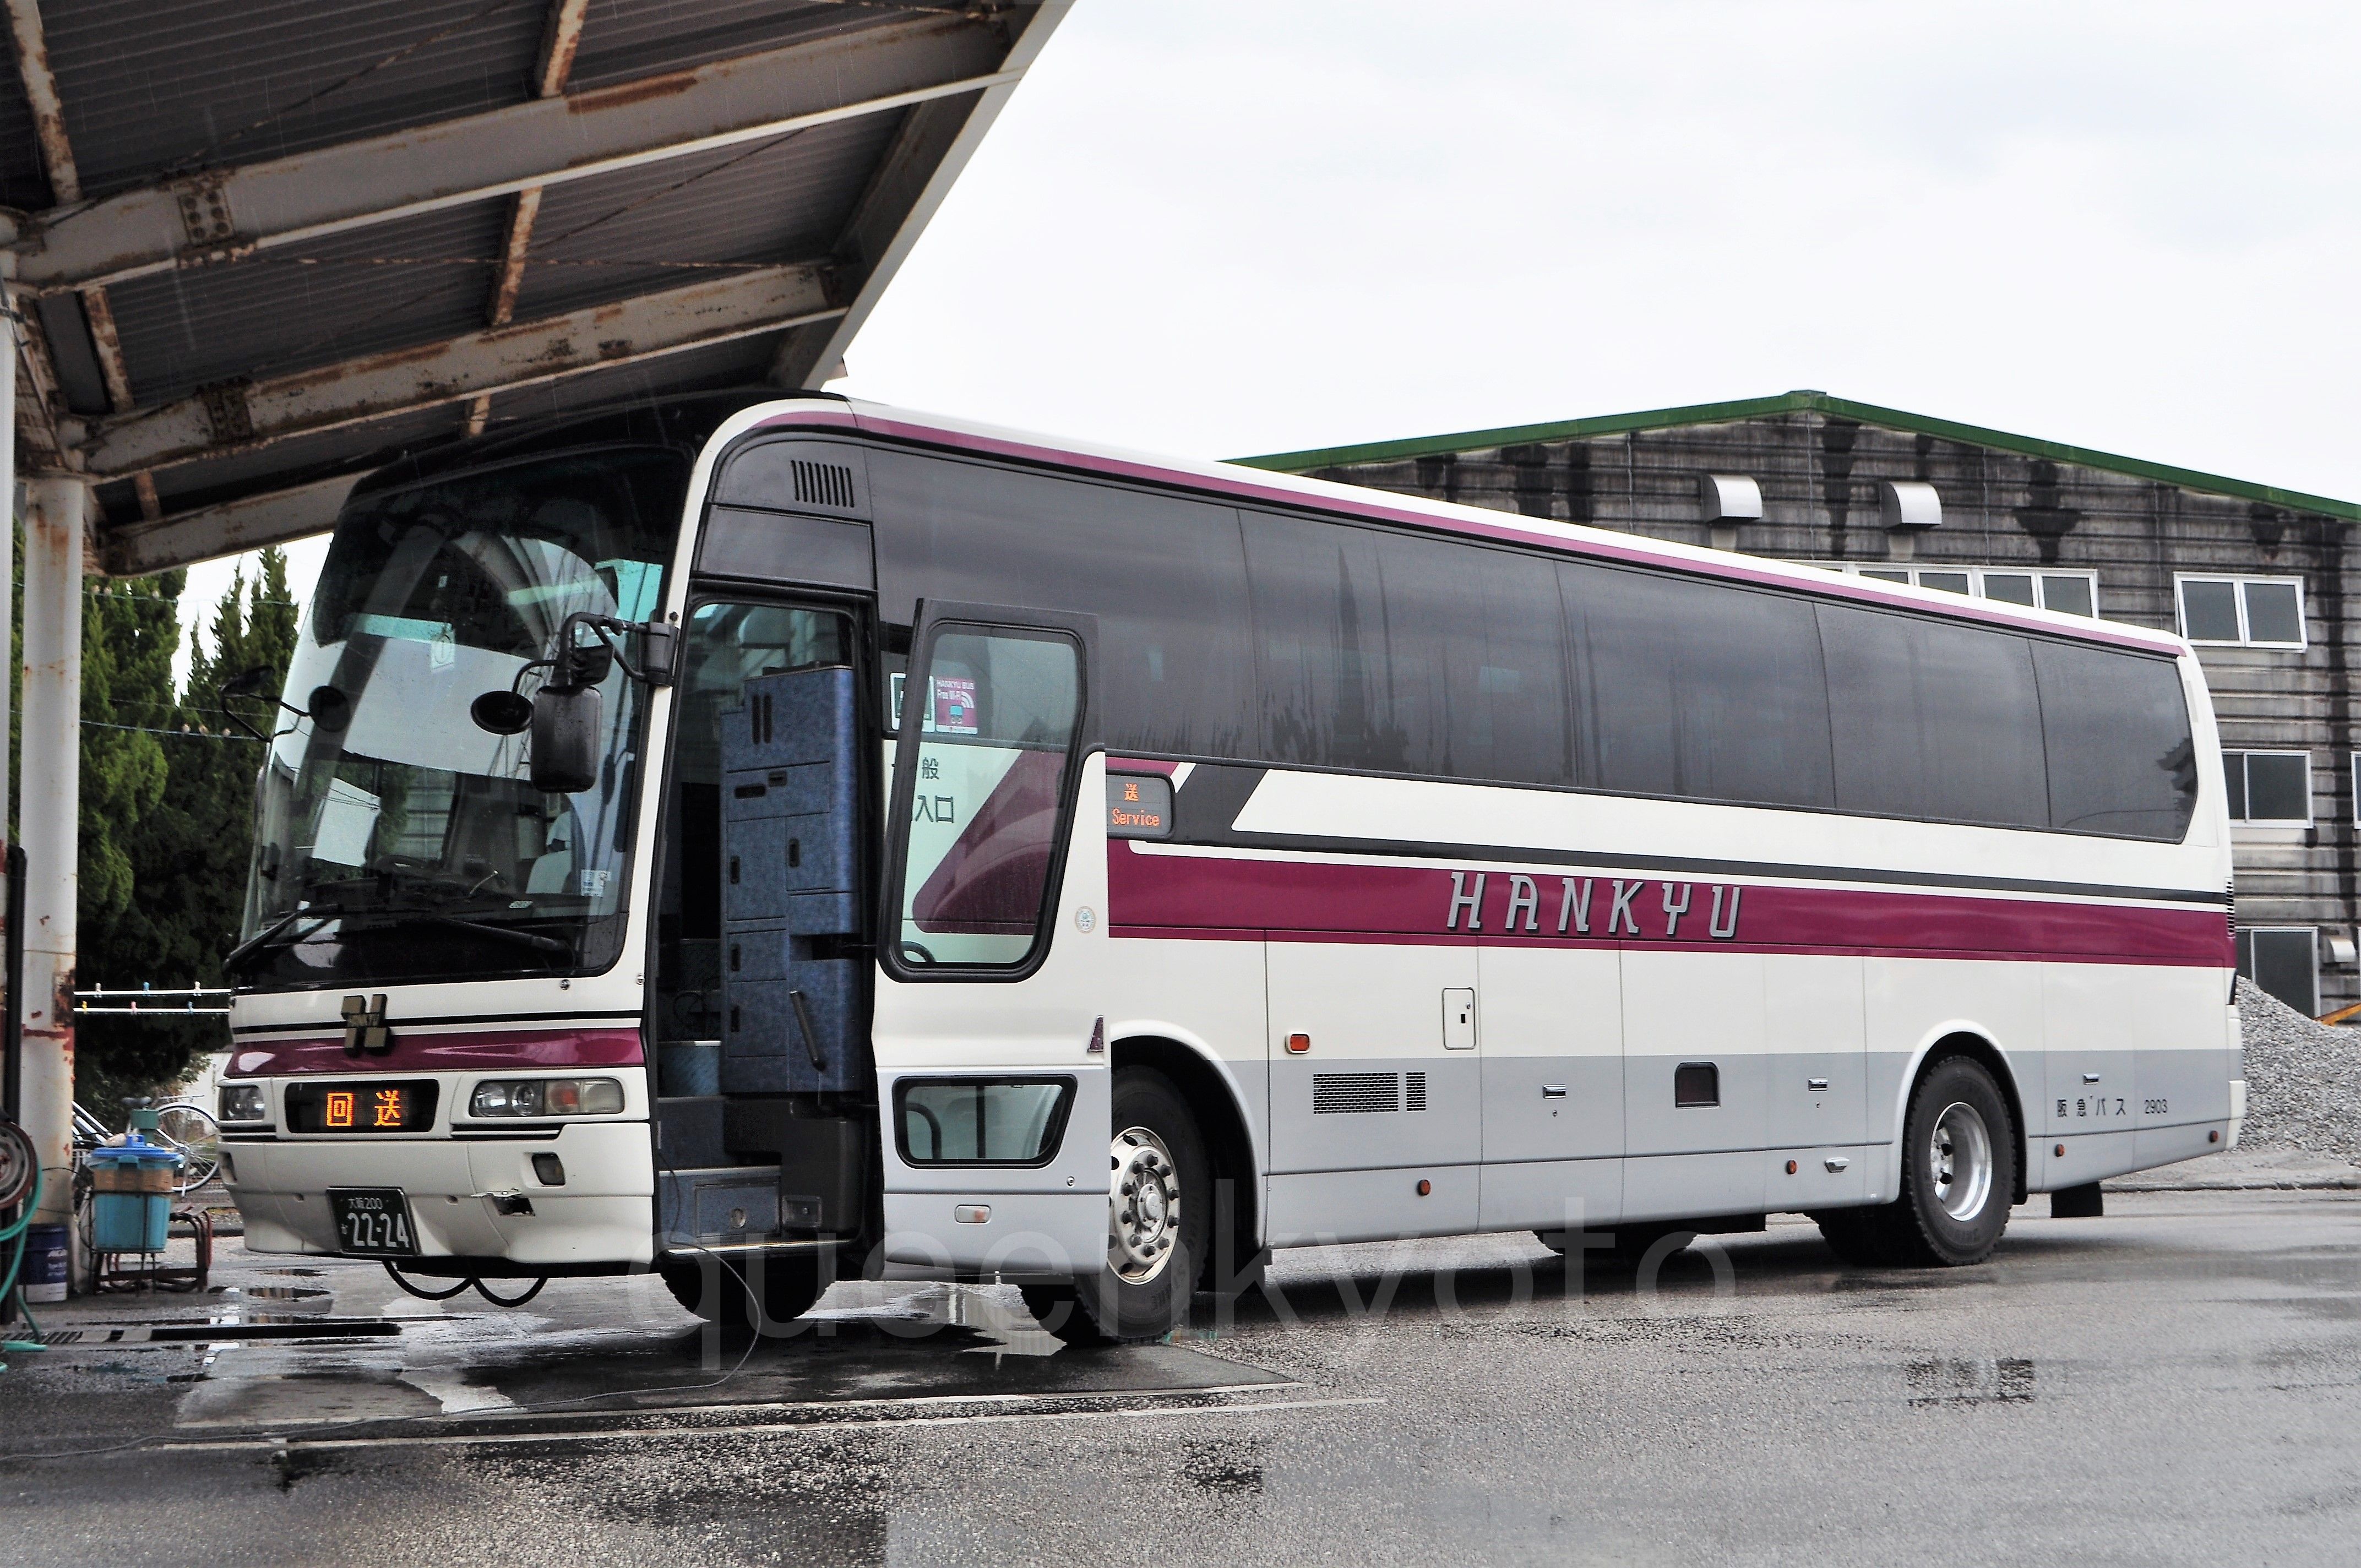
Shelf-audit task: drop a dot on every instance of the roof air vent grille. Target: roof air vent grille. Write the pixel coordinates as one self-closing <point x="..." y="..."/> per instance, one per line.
<point x="823" y="485"/>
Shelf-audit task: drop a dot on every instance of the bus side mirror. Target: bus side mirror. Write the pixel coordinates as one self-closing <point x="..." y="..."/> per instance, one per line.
<point x="565" y="738"/>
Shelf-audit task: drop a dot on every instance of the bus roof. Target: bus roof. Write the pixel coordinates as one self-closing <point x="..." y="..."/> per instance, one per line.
<point x="1237" y="483"/>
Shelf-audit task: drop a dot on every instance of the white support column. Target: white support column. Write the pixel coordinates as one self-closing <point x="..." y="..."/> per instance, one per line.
<point x="7" y="547"/>
<point x="47" y="810"/>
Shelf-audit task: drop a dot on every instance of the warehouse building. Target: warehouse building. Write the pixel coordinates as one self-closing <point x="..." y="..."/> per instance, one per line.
<point x="2255" y="576"/>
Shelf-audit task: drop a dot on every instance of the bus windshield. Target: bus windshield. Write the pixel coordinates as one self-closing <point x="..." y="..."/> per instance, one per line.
<point x="396" y="839"/>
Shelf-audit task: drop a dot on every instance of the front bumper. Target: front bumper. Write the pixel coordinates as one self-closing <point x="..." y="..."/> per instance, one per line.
<point x="604" y="1214"/>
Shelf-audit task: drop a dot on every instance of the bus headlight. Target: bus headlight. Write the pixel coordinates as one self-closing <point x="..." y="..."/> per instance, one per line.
<point x="547" y="1097"/>
<point x="245" y="1103"/>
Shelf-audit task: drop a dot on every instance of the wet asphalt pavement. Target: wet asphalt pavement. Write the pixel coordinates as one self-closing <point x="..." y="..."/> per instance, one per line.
<point x="2178" y="1382"/>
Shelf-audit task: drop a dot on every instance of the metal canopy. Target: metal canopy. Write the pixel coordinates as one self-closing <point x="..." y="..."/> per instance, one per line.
<point x="263" y="246"/>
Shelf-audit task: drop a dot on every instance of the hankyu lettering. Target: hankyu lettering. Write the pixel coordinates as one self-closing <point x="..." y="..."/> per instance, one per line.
<point x="1621" y="910"/>
<point x="1714" y="928"/>
<point x="1524" y="895"/>
<point x="1523" y="910"/>
<point x="1471" y="902"/>
<point x="1577" y="905"/>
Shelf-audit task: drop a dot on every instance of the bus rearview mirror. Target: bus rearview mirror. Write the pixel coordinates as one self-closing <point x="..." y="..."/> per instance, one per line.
<point x="565" y="739"/>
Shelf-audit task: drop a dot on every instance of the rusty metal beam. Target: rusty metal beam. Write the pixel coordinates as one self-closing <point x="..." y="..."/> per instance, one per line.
<point x="31" y="40"/>
<point x="41" y="94"/>
<point x="561" y="38"/>
<point x="561" y="35"/>
<point x="229" y="528"/>
<point x="917" y="171"/>
<point x="41" y="445"/>
<point x="239" y="418"/>
<point x="222" y="214"/>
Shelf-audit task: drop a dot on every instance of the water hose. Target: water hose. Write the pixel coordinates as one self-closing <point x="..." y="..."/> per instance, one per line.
<point x="15" y="1232"/>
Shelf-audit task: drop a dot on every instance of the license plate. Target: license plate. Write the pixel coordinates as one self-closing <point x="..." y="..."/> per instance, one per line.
<point x="373" y="1222"/>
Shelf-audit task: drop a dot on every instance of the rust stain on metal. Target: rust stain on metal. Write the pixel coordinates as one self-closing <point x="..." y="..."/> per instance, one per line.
<point x="41" y="95"/>
<point x="560" y="37"/>
<point x="108" y="343"/>
<point x="645" y="90"/>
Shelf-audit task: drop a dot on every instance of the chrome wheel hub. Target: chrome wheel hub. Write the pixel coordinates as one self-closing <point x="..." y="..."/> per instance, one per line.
<point x="1961" y="1157"/>
<point x="1143" y="1206"/>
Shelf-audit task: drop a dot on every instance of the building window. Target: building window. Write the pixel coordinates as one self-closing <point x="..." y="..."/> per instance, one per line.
<point x="2269" y="786"/>
<point x="2242" y="612"/>
<point x="2285" y="961"/>
<point x="2070" y="593"/>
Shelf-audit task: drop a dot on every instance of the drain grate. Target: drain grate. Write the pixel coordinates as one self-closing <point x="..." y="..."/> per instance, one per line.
<point x="208" y="1334"/>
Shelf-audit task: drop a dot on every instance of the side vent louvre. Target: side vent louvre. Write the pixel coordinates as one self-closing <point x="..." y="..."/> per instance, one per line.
<point x="1414" y="1091"/>
<point x="2230" y="898"/>
<point x="822" y="484"/>
<point x="1355" y="1093"/>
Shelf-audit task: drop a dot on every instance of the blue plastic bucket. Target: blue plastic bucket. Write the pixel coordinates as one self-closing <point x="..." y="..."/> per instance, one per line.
<point x="132" y="1207"/>
<point x="129" y="1221"/>
<point x="43" y="1273"/>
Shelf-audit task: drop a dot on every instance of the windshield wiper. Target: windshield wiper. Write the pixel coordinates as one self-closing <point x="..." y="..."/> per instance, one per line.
<point x="269" y="935"/>
<point x="533" y="939"/>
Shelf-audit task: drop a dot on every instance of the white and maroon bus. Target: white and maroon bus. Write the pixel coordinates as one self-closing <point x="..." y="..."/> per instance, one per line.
<point x="767" y="841"/>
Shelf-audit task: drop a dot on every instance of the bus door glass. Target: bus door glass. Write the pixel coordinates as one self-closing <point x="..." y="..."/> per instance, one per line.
<point x="996" y="963"/>
<point x="985" y="782"/>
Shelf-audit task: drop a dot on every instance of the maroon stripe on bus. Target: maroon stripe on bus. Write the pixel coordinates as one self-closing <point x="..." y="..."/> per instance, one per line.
<point x="1223" y="897"/>
<point x="443" y="1053"/>
<point x="1837" y="587"/>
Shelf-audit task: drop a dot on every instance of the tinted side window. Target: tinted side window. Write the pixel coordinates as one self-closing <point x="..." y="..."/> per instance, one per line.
<point x="1934" y="720"/>
<point x="1407" y="654"/>
<point x="2121" y="755"/>
<point x="1165" y="576"/>
<point x="1696" y="689"/>
<point x="1324" y="648"/>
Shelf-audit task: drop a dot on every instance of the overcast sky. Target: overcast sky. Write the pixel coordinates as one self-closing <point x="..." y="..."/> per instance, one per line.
<point x="1224" y="228"/>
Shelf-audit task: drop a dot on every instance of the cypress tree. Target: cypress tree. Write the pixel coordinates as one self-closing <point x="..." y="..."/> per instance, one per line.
<point x="171" y="866"/>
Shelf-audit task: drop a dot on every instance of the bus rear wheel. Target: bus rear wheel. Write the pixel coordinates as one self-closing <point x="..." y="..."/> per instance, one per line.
<point x="1958" y="1171"/>
<point x="1160" y="1204"/>
<point x="744" y="1291"/>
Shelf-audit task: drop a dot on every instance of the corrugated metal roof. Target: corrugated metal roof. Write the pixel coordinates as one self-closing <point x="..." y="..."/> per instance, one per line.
<point x="273" y="315"/>
<point x="193" y="93"/>
<point x="148" y="87"/>
<point x="777" y="201"/>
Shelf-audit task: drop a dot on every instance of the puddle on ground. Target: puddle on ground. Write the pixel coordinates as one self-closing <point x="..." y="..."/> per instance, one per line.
<point x="870" y="1341"/>
<point x="1974" y="1380"/>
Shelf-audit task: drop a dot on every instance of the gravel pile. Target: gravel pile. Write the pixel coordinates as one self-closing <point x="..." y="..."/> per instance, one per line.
<point x="2304" y="1081"/>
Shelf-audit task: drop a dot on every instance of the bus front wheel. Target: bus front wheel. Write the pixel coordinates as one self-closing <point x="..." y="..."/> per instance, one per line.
<point x="1958" y="1171"/>
<point x="1159" y="1201"/>
<point x="744" y="1291"/>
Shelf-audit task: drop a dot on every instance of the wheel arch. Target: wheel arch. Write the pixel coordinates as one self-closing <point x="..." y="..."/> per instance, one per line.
<point x="1211" y="1090"/>
<point x="1962" y="1039"/>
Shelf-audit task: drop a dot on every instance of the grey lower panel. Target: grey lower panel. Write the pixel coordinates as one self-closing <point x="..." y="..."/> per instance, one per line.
<point x="1317" y="1208"/>
<point x="1551" y="1195"/>
<point x="1678" y="1187"/>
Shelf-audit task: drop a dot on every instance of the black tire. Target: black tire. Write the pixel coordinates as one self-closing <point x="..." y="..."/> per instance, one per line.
<point x="1130" y="1300"/>
<point x="721" y="1288"/>
<point x="1955" y="1192"/>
